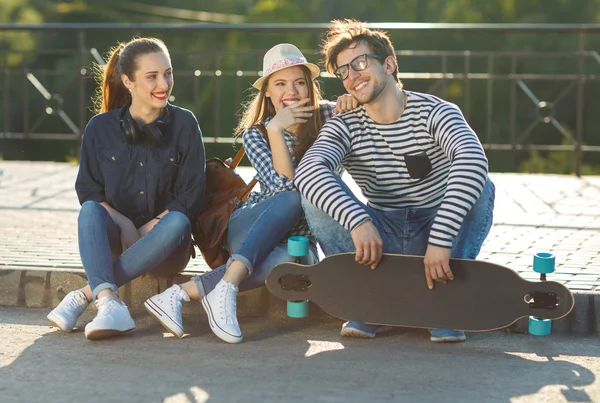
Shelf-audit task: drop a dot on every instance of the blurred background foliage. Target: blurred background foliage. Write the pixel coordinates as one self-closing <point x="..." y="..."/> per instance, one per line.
<point x="216" y="101"/>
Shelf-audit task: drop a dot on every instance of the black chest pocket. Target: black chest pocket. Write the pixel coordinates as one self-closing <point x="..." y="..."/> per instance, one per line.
<point x="418" y="165"/>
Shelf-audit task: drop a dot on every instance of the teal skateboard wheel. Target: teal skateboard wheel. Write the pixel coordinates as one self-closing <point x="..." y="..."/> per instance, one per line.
<point x="539" y="327"/>
<point x="297" y="246"/>
<point x="543" y="262"/>
<point x="297" y="309"/>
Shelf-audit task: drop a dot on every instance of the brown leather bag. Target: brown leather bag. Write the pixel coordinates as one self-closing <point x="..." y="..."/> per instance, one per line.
<point x="225" y="189"/>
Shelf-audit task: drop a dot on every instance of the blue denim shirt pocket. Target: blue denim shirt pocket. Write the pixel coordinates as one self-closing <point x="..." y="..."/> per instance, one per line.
<point x="114" y="165"/>
<point x="166" y="168"/>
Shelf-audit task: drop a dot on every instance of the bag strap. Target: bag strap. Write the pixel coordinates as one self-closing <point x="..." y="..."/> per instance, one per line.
<point x="240" y="154"/>
<point x="238" y="157"/>
<point x="263" y="131"/>
<point x="248" y="189"/>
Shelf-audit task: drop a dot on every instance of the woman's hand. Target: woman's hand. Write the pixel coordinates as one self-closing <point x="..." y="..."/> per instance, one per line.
<point x="287" y="116"/>
<point x="144" y="229"/>
<point x="291" y="115"/>
<point x="129" y="234"/>
<point x="345" y="103"/>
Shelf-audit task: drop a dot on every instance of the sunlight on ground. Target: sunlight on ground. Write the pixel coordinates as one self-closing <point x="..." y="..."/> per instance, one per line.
<point x="529" y="356"/>
<point x="553" y="394"/>
<point x="27" y="335"/>
<point x="317" y="347"/>
<point x="195" y="395"/>
<point x="169" y="335"/>
<point x="582" y="379"/>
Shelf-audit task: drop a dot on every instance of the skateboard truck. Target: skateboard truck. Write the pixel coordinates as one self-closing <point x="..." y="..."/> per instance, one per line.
<point x="542" y="300"/>
<point x="297" y="247"/>
<point x="543" y="263"/>
<point x="294" y="282"/>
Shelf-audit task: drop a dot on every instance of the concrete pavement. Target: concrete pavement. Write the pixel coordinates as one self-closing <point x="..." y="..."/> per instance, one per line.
<point x="287" y="361"/>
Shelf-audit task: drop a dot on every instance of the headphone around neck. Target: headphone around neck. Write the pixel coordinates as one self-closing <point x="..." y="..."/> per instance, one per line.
<point x="137" y="132"/>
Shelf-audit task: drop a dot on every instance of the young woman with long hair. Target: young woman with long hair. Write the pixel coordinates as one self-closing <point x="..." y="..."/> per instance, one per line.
<point x="289" y="105"/>
<point x="141" y="179"/>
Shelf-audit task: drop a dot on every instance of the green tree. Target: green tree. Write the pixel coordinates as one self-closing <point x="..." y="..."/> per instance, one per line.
<point x="17" y="42"/>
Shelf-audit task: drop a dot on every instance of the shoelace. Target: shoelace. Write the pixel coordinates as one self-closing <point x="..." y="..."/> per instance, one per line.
<point x="176" y="298"/>
<point x="75" y="302"/>
<point x="230" y="302"/>
<point x="177" y="302"/>
<point x="105" y="305"/>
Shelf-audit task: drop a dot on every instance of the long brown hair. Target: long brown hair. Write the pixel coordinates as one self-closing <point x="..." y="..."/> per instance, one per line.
<point x="260" y="107"/>
<point x="111" y="93"/>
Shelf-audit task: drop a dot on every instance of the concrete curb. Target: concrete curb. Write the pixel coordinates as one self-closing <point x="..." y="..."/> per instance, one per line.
<point x="37" y="288"/>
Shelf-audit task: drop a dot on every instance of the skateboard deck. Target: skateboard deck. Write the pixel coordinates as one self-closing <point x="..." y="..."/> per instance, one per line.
<point x="483" y="296"/>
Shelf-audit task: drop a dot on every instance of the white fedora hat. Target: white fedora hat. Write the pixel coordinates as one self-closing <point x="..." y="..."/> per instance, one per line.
<point x="283" y="56"/>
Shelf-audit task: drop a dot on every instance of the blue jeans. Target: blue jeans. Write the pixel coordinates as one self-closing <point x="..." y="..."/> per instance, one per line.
<point x="254" y="238"/>
<point x="165" y="250"/>
<point x="405" y="231"/>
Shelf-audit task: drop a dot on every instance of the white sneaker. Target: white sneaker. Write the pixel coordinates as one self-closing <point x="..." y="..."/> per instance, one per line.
<point x="65" y="315"/>
<point x="220" y="306"/>
<point x="113" y="318"/>
<point x="166" y="307"/>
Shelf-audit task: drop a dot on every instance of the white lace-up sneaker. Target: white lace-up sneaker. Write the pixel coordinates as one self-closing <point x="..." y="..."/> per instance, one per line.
<point x="220" y="306"/>
<point x="113" y="318"/>
<point x="166" y="307"/>
<point x="65" y="315"/>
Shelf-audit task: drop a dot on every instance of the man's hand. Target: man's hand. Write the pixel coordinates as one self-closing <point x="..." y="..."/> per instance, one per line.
<point x="345" y="103"/>
<point x="129" y="234"/>
<point x="437" y="265"/>
<point x="368" y="244"/>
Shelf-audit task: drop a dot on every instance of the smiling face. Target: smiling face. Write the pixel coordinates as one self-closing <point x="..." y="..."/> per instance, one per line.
<point x="287" y="86"/>
<point x="368" y="84"/>
<point x="152" y="82"/>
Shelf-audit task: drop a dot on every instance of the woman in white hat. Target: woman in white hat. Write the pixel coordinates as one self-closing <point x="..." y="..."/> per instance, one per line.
<point x="288" y="104"/>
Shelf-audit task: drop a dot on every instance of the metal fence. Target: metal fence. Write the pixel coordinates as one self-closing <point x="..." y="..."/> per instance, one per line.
<point x="514" y="99"/>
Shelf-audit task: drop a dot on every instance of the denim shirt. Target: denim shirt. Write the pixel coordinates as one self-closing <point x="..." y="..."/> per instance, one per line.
<point x="138" y="180"/>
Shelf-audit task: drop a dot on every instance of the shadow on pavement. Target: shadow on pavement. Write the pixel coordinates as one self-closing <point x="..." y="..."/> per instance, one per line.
<point x="287" y="361"/>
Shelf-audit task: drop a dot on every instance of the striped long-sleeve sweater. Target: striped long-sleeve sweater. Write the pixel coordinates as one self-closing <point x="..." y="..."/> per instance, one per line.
<point x="429" y="158"/>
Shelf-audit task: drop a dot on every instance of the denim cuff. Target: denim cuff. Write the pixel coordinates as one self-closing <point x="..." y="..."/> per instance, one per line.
<point x="242" y="259"/>
<point x="199" y="286"/>
<point x="104" y="286"/>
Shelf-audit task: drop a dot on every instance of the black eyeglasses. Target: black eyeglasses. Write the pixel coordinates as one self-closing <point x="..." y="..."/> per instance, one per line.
<point x="359" y="63"/>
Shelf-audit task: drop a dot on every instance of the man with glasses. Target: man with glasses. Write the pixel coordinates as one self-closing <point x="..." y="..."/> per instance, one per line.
<point x="418" y="163"/>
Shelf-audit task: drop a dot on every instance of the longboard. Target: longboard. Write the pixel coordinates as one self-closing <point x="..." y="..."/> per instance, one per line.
<point x="483" y="296"/>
